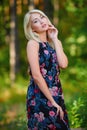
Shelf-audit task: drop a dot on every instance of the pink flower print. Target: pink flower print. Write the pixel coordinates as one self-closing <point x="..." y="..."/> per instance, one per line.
<point x="39" y="116"/>
<point x="33" y="97"/>
<point x="46" y="52"/>
<point x="36" y="90"/>
<point x="50" y="77"/>
<point x="49" y="104"/>
<point x="52" y="113"/>
<point x="28" y="116"/>
<point x="55" y="91"/>
<point x="43" y="71"/>
<point x="51" y="91"/>
<point x="56" y="66"/>
<point x="36" y="115"/>
<point x="54" y="56"/>
<point x="60" y="90"/>
<point x="56" y="78"/>
<point x="35" y="128"/>
<point x="28" y="109"/>
<point x="52" y="127"/>
<point x="42" y="65"/>
<point x="33" y="103"/>
<point x="55" y="94"/>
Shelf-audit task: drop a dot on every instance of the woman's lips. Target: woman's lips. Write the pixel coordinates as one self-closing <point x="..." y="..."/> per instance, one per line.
<point x="43" y="26"/>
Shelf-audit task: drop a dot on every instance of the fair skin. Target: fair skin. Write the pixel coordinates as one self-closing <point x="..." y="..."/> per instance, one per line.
<point x="40" y="25"/>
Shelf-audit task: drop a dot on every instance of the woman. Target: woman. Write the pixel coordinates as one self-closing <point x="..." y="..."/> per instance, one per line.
<point x="45" y="102"/>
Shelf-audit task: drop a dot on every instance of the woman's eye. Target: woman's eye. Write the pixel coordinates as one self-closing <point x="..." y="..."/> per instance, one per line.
<point x="35" y="21"/>
<point x="42" y="16"/>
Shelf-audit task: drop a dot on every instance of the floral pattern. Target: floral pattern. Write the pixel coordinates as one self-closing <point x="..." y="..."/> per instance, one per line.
<point x="41" y="114"/>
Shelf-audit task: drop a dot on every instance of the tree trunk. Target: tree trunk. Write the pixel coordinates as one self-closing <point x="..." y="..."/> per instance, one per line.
<point x="31" y="5"/>
<point x="14" y="58"/>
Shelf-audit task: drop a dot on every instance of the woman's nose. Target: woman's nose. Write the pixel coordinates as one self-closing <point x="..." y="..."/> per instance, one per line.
<point x="41" y="21"/>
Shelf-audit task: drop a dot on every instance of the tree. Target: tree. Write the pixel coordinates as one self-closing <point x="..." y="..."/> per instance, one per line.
<point x="13" y="46"/>
<point x="31" y="5"/>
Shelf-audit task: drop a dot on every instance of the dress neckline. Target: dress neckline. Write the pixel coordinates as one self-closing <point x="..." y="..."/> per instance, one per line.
<point x="45" y="42"/>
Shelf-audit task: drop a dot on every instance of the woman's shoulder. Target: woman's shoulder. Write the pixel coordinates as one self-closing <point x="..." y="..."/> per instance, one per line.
<point x="32" y="44"/>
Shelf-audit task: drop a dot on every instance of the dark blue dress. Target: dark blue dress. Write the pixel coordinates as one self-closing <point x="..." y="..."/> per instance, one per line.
<point x="41" y="114"/>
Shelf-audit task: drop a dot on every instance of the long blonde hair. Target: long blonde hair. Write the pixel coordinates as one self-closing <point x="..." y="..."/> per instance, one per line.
<point x="29" y="34"/>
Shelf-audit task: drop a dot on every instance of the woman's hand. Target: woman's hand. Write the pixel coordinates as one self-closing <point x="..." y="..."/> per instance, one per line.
<point x="59" y="110"/>
<point x="52" y="32"/>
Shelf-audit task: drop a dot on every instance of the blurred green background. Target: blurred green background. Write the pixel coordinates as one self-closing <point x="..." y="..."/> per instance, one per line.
<point x="70" y="17"/>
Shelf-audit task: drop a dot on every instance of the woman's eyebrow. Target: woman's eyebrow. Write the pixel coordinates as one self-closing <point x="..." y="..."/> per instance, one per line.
<point x="34" y="19"/>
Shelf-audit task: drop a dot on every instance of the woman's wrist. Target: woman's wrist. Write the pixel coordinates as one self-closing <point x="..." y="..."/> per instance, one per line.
<point x="54" y="104"/>
<point x="57" y="43"/>
<point x="54" y="40"/>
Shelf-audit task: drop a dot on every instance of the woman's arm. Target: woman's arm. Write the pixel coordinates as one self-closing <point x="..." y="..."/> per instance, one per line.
<point x="61" y="57"/>
<point x="33" y="59"/>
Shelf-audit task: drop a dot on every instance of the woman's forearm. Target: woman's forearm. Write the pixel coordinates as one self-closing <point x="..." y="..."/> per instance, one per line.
<point x="39" y="80"/>
<point x="61" y="57"/>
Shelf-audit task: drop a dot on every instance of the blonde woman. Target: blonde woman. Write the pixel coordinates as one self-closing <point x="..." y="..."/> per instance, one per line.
<point x="45" y="103"/>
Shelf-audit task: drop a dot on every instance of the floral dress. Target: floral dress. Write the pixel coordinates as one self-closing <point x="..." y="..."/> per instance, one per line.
<point x="41" y="114"/>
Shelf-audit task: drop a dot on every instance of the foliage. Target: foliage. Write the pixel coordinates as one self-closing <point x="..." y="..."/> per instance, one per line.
<point x="77" y="112"/>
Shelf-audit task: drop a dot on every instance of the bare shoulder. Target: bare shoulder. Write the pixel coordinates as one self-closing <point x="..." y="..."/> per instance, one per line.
<point x="32" y="44"/>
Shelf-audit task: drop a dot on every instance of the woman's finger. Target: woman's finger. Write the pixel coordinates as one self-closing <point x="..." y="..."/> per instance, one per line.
<point x="60" y="112"/>
<point x="52" y="28"/>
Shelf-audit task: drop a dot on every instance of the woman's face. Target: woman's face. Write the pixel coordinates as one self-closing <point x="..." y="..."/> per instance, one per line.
<point x="39" y="23"/>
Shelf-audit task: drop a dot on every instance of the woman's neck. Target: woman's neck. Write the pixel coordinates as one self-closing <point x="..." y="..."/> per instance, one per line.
<point x="43" y="37"/>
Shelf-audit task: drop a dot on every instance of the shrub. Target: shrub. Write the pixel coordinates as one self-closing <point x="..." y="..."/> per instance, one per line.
<point x="78" y="112"/>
